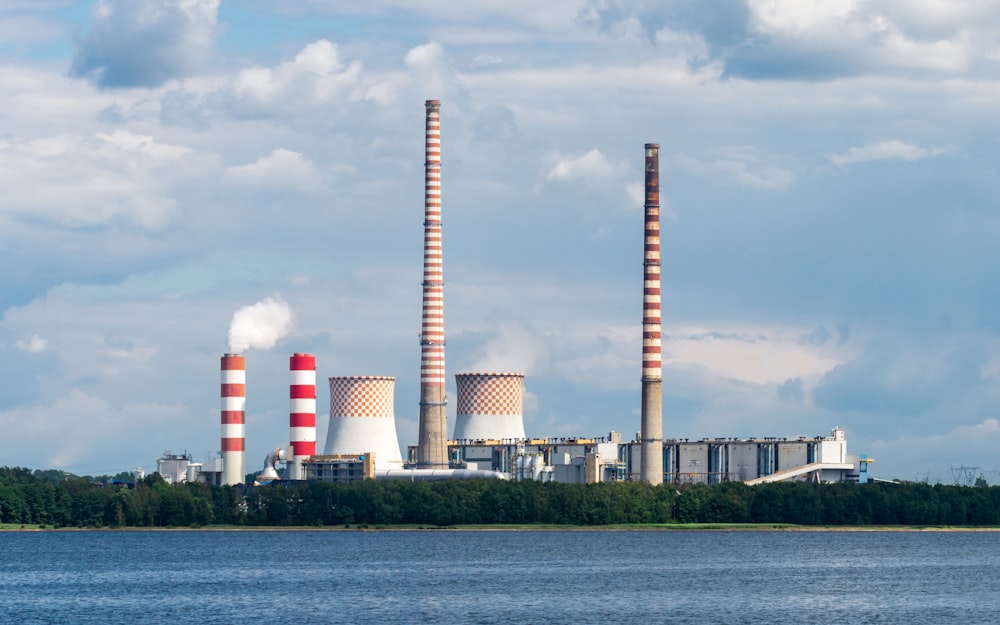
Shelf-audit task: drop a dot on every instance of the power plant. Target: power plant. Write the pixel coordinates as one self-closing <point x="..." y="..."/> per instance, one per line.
<point x="489" y="437"/>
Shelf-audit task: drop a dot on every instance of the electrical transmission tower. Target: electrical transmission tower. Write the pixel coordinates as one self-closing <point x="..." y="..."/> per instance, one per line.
<point x="965" y="476"/>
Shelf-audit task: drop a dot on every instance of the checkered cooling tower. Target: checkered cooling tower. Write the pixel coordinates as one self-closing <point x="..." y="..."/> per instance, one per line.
<point x="363" y="420"/>
<point x="489" y="406"/>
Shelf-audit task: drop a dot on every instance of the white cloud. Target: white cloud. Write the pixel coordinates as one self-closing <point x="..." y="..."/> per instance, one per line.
<point x="425" y="57"/>
<point x="83" y="181"/>
<point x="33" y="345"/>
<point x="513" y="348"/>
<point x="933" y="456"/>
<point x="432" y="75"/>
<point x="281" y="169"/>
<point x="800" y="18"/>
<point x="94" y="427"/>
<point x="587" y="167"/>
<point x="317" y="77"/>
<point x="742" y="166"/>
<point x="892" y="149"/>
<point x="748" y="354"/>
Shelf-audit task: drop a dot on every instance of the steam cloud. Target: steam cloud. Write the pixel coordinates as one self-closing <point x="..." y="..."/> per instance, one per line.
<point x="259" y="326"/>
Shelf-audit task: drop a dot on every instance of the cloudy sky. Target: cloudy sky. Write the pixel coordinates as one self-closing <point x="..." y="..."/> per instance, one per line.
<point x="829" y="216"/>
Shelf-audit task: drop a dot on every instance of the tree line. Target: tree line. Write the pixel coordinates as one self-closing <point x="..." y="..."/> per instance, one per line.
<point x="28" y="498"/>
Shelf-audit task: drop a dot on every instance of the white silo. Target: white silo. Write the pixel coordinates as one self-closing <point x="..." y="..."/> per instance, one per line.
<point x="489" y="406"/>
<point x="363" y="419"/>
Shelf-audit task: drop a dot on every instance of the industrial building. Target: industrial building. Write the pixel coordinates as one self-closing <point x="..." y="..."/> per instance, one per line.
<point x="489" y="438"/>
<point x="179" y="468"/>
<point x="705" y="461"/>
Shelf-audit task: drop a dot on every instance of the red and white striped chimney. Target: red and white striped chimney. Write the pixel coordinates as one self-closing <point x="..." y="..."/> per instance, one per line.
<point x="233" y="419"/>
<point x="432" y="448"/>
<point x="652" y="365"/>
<point x="301" y="412"/>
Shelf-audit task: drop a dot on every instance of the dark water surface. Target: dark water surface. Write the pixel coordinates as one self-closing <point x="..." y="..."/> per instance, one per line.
<point x="499" y="577"/>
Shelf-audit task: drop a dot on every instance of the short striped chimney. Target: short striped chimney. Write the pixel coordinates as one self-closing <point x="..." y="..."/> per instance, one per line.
<point x="234" y="399"/>
<point x="301" y="412"/>
<point x="652" y="365"/>
<point x="432" y="448"/>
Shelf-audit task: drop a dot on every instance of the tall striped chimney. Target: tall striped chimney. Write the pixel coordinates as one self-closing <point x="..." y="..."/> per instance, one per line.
<point x="652" y="366"/>
<point x="301" y="412"/>
<point x="234" y="399"/>
<point x="432" y="449"/>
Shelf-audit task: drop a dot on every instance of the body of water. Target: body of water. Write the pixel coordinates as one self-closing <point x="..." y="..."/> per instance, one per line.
<point x="459" y="577"/>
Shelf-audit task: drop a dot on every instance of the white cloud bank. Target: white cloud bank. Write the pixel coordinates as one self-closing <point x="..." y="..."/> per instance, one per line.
<point x="33" y="345"/>
<point x="81" y="181"/>
<point x="588" y="166"/>
<point x="892" y="149"/>
<point x="741" y="165"/>
<point x="281" y="169"/>
<point x="316" y="77"/>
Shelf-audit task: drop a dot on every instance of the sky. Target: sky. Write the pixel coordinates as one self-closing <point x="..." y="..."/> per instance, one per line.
<point x="828" y="186"/>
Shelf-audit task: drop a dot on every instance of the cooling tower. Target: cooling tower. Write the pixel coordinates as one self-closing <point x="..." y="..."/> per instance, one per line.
<point x="301" y="412"/>
<point x="652" y="369"/>
<point x="432" y="447"/>
<point x="363" y="419"/>
<point x="489" y="406"/>
<point x="233" y="419"/>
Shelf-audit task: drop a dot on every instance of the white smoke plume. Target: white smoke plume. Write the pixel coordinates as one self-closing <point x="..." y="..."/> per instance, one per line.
<point x="259" y="326"/>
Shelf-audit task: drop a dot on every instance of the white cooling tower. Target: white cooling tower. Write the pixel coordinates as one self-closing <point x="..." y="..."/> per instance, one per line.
<point x="363" y="419"/>
<point x="489" y="406"/>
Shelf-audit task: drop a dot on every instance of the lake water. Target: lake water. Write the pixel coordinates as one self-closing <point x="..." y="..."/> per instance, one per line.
<point x="583" y="577"/>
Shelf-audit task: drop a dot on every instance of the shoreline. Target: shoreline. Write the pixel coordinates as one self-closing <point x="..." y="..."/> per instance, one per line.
<point x="685" y="527"/>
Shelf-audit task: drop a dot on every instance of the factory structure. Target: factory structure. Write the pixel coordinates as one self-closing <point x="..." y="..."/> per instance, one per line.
<point x="489" y="439"/>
